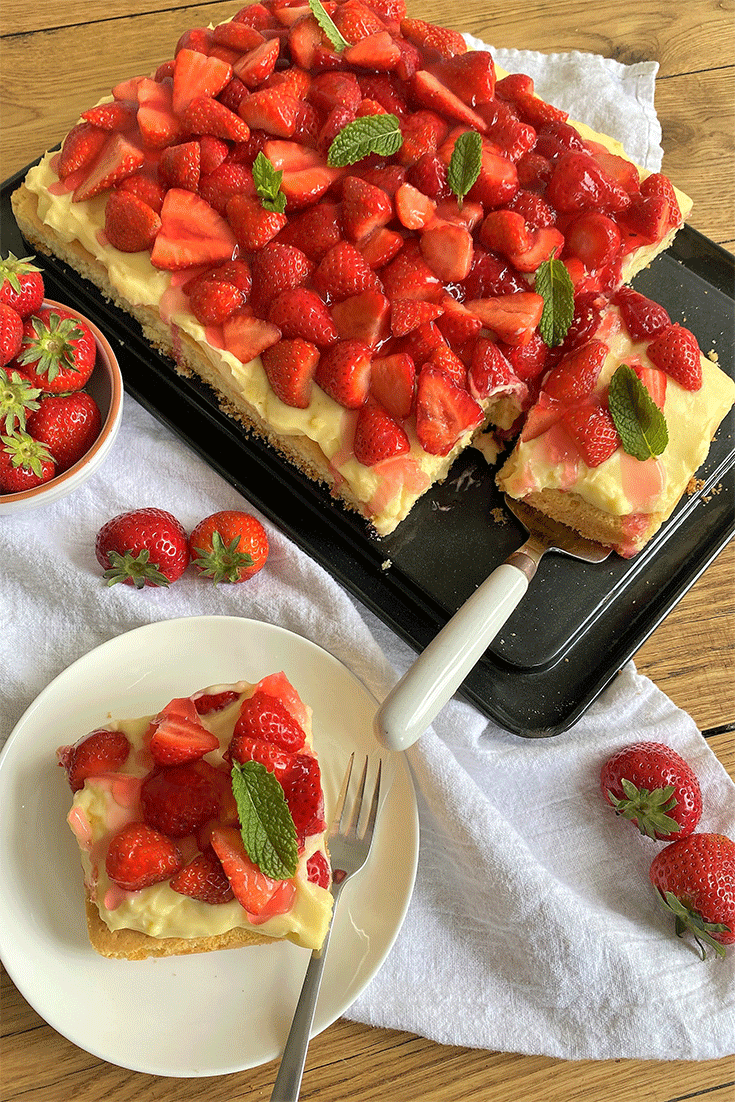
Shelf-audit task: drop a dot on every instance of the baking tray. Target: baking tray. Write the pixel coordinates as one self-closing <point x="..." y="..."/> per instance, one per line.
<point x="578" y="625"/>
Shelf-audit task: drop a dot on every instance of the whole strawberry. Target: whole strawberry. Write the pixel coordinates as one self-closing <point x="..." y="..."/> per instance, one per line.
<point x="11" y="333"/>
<point x="142" y="547"/>
<point x="68" y="424"/>
<point x="21" y="285"/>
<point x="695" y="878"/>
<point x="229" y="546"/>
<point x="24" y="463"/>
<point x="59" y="351"/>
<point x="652" y="785"/>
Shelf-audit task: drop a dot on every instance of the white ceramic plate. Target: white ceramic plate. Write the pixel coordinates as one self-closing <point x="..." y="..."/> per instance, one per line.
<point x="211" y="1013"/>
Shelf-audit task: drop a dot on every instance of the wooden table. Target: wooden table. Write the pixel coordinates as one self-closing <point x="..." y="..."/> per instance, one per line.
<point x="59" y="59"/>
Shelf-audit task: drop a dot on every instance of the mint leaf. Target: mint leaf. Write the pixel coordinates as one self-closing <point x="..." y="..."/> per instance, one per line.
<point x="379" y="134"/>
<point x="266" y="825"/>
<point x="465" y="164"/>
<point x="555" y="286"/>
<point x="329" y="28"/>
<point x="639" y="421"/>
<point x="268" y="184"/>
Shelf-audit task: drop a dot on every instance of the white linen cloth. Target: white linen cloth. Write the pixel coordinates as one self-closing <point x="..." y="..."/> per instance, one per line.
<point x="533" y="927"/>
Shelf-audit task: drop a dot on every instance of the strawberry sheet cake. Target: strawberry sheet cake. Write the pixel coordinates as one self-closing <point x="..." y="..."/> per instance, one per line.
<point x="202" y="827"/>
<point x="379" y="249"/>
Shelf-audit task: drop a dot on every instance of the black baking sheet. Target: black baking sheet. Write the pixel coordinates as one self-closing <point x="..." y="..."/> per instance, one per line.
<point x="578" y="623"/>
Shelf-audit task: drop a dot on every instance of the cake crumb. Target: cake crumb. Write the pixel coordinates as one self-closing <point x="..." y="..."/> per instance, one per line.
<point x="695" y="486"/>
<point x="713" y="356"/>
<point x="386" y="564"/>
<point x="499" y="515"/>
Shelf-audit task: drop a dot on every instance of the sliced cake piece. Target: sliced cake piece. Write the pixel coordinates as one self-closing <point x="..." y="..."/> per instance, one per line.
<point x="329" y="232"/>
<point x="621" y="424"/>
<point x="168" y="811"/>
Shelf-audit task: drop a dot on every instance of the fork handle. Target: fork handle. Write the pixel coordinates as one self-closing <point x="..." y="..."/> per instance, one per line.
<point x="415" y="702"/>
<point x="288" y="1081"/>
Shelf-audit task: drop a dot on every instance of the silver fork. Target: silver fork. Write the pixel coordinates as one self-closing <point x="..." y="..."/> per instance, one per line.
<point x="349" y="850"/>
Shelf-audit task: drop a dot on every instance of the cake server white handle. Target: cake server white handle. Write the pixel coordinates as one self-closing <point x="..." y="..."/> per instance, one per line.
<point x="414" y="703"/>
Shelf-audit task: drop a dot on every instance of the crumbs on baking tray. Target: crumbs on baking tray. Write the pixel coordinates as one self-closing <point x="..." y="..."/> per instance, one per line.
<point x="696" y="485"/>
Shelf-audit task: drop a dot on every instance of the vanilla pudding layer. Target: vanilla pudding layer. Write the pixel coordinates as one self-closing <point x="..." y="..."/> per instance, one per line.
<point x="106" y="803"/>
<point x="318" y="439"/>
<point x="622" y="486"/>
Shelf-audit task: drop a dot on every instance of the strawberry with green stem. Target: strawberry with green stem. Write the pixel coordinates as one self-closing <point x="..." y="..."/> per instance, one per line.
<point x="24" y="463"/>
<point x="655" y="788"/>
<point x="143" y="547"/>
<point x="695" y="879"/>
<point x="18" y="398"/>
<point x="229" y="546"/>
<point x="21" y="284"/>
<point x="59" y="351"/>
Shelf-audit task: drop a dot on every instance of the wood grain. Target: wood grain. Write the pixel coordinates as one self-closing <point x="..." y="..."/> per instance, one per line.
<point x="690" y="656"/>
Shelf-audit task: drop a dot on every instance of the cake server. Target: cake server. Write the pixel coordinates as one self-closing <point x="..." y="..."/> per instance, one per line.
<point x="415" y="702"/>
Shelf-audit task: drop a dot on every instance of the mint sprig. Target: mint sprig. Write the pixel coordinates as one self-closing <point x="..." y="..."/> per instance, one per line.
<point x="465" y="163"/>
<point x="266" y="824"/>
<point x="330" y="29"/>
<point x="555" y="286"/>
<point x="640" y="423"/>
<point x="267" y="182"/>
<point x="379" y="134"/>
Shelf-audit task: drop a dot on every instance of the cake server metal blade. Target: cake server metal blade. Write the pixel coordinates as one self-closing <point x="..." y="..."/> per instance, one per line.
<point x="414" y="703"/>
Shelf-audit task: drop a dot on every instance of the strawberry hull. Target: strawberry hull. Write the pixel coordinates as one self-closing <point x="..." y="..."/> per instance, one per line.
<point x="350" y="147"/>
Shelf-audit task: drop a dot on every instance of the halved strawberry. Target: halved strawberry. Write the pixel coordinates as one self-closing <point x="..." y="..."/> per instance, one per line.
<point x="139" y="856"/>
<point x="290" y="366"/>
<point x="102" y="751"/>
<point x="158" y="123"/>
<point x="377" y="435"/>
<point x="150" y="191"/>
<point x="433" y="40"/>
<point x="409" y="314"/>
<point x="178" y="736"/>
<point x="414" y="210"/>
<point x="471" y="76"/>
<point x="315" y="230"/>
<point x="450" y="363"/>
<point x="130" y="224"/>
<point x="364" y="317"/>
<point x="444" y="412"/>
<point x="579" y="183"/>
<point x="505" y="232"/>
<point x="676" y="351"/>
<point x="273" y="110"/>
<point x="206" y="115"/>
<point x="594" y="239"/>
<point x="334" y="89"/>
<point x="263" y="716"/>
<point x="498" y="179"/>
<point x="203" y="878"/>
<point x="378" y="52"/>
<point x="429" y="175"/>
<point x="447" y="248"/>
<point x="112" y="116"/>
<point x="191" y="233"/>
<point x="356" y="21"/>
<point x="276" y="268"/>
<point x="422" y="132"/>
<point x="343" y="372"/>
<point x="303" y="791"/>
<point x="253" y="890"/>
<point x="276" y="760"/>
<point x="647" y="220"/>
<point x="642" y="317"/>
<point x="658" y="185"/>
<point x="429" y="91"/>
<point x="344" y="272"/>
<point x="301" y="313"/>
<point x="206" y="703"/>
<point x="197" y="74"/>
<point x="81" y="146"/>
<point x="489" y="372"/>
<point x="576" y="375"/>
<point x="654" y="380"/>
<point x="318" y="870"/>
<point x="238" y="36"/>
<point x="409" y="276"/>
<point x="118" y="158"/>
<point x="246" y="337"/>
<point x="178" y="799"/>
<point x="213" y="301"/>
<point x="513" y="318"/>
<point x="256" y="65"/>
<point x="179" y="166"/>
<point x="365" y="208"/>
<point x="218" y="186"/>
<point x="393" y="382"/>
<point x="253" y="225"/>
<point x="504" y="128"/>
<point x="380" y="247"/>
<point x="593" y="431"/>
<point x="490" y="276"/>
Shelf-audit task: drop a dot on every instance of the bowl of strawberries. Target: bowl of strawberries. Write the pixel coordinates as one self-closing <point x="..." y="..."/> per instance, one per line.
<point x="61" y="392"/>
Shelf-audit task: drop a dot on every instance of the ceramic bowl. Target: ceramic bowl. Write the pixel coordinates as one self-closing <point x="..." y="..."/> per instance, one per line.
<point x="106" y="387"/>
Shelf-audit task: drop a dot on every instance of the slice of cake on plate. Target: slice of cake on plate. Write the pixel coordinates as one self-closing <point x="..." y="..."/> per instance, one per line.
<point x="202" y="827"/>
<point x="335" y="215"/>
